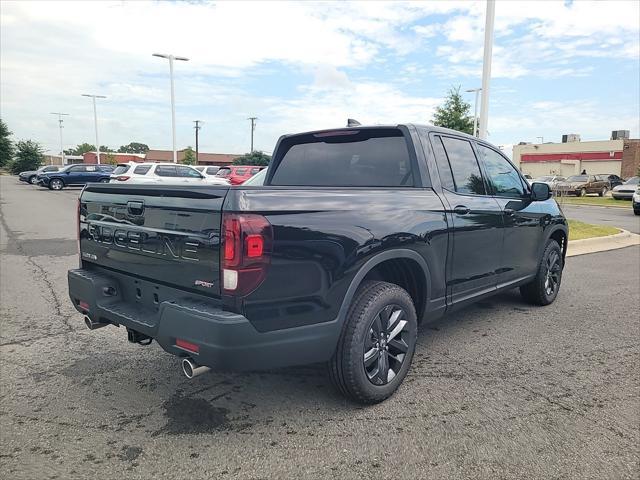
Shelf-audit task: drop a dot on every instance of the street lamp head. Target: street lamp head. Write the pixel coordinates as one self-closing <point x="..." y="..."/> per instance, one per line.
<point x="473" y="90"/>
<point x="184" y="59"/>
<point x="161" y="55"/>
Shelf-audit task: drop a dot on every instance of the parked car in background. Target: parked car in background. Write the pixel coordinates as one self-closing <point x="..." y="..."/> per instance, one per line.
<point x="581" y="185"/>
<point x="31" y="176"/>
<point x="635" y="201"/>
<point x="257" y="179"/>
<point x="528" y="178"/>
<point x="550" y="180"/>
<point x="613" y="180"/>
<point x="626" y="190"/>
<point x="75" y="175"/>
<point x="238" y="174"/>
<point x="168" y="173"/>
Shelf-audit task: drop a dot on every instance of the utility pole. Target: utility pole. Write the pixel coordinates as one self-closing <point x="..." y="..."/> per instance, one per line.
<point x="541" y="139"/>
<point x="253" y="127"/>
<point x="197" y="127"/>
<point x="486" y="67"/>
<point x="475" y="110"/>
<point x="61" y="127"/>
<point x="171" y="58"/>
<point x="95" y="121"/>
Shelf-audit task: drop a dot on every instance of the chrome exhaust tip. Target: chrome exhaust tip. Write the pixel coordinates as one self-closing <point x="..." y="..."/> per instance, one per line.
<point x="91" y="325"/>
<point x="191" y="369"/>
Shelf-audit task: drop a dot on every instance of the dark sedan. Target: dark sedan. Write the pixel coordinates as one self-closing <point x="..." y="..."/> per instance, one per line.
<point x="30" y="176"/>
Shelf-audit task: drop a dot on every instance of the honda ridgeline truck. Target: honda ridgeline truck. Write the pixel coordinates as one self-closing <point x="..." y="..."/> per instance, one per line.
<point x="356" y="237"/>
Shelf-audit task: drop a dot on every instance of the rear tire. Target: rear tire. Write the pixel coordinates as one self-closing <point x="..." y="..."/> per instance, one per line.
<point x="544" y="288"/>
<point x="583" y="192"/>
<point x="603" y="192"/>
<point x="376" y="347"/>
<point x="104" y="180"/>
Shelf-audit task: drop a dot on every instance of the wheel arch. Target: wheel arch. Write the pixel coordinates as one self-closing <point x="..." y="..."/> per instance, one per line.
<point x="379" y="267"/>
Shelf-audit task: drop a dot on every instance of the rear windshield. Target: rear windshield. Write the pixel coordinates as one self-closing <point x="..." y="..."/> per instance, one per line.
<point x="223" y="172"/>
<point x="120" y="169"/>
<point x="369" y="158"/>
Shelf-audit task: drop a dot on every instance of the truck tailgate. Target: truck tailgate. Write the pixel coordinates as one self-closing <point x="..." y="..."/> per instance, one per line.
<point x="167" y="234"/>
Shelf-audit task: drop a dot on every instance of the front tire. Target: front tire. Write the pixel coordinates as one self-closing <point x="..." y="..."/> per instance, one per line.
<point x="543" y="289"/>
<point x="603" y="192"/>
<point x="33" y="179"/>
<point x="376" y="347"/>
<point x="56" y="184"/>
<point x="583" y="192"/>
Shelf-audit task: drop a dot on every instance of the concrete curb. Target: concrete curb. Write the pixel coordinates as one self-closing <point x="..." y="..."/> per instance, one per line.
<point x="602" y="244"/>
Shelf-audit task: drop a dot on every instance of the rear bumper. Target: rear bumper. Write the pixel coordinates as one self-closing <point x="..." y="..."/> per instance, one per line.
<point x="226" y="340"/>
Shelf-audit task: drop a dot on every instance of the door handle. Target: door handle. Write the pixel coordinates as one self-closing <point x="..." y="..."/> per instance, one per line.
<point x="135" y="208"/>
<point x="509" y="212"/>
<point x="461" y="210"/>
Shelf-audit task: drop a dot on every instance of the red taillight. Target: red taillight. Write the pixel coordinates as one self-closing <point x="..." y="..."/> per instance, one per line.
<point x="122" y="178"/>
<point x="83" y="305"/>
<point x="247" y="247"/>
<point x="188" y="346"/>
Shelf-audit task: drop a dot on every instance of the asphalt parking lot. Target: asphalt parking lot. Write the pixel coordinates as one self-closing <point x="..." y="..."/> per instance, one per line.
<point x="499" y="390"/>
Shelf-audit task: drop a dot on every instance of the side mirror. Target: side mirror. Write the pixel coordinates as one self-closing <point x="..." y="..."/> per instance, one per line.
<point x="540" y="192"/>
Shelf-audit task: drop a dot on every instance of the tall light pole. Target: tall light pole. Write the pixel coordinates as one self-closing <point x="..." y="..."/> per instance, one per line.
<point x="197" y="127"/>
<point x="60" y="125"/>
<point x="171" y="58"/>
<point x="475" y="110"/>
<point x="95" y="121"/>
<point x="253" y="127"/>
<point x="486" y="67"/>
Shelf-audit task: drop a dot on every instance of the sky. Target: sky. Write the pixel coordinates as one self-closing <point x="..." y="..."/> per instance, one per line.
<point x="558" y="67"/>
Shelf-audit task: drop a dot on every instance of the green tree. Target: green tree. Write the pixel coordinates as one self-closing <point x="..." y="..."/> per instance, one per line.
<point x="80" y="149"/>
<point x="104" y="148"/>
<point x="254" y="158"/>
<point x="6" y="145"/>
<point x="111" y="158"/>
<point x="29" y="156"/>
<point x="134" y="147"/>
<point x="189" y="156"/>
<point x="454" y="113"/>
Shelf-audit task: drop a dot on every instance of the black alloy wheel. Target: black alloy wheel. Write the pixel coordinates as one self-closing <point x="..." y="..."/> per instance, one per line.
<point x="386" y="345"/>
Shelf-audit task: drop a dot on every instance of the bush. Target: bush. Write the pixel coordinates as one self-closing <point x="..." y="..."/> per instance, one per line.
<point x="254" y="158"/>
<point x="29" y="156"/>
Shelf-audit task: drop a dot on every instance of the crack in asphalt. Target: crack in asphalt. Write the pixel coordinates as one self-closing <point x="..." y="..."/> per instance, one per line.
<point x="57" y="304"/>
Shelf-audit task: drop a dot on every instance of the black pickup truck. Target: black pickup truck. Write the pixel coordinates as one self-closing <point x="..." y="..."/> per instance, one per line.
<point x="356" y="237"/>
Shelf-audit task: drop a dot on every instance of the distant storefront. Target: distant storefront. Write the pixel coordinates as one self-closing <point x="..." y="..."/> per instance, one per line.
<point x="619" y="157"/>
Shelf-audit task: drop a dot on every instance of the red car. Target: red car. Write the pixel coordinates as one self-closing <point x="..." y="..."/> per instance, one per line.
<point x="238" y="174"/>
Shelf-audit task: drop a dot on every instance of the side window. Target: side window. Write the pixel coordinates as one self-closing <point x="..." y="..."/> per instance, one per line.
<point x="141" y="169"/>
<point x="187" y="172"/>
<point x="50" y="169"/>
<point x="503" y="177"/>
<point x="241" y="171"/>
<point x="254" y="171"/>
<point x="166" y="171"/>
<point x="212" y="170"/>
<point x="466" y="171"/>
<point x="444" y="169"/>
<point x="90" y="168"/>
<point x="78" y="169"/>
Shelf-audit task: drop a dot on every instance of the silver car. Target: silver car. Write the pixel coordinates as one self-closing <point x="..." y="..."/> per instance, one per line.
<point x="550" y="180"/>
<point x="626" y="190"/>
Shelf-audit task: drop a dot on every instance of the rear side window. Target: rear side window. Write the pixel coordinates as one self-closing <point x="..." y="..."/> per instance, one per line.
<point x="241" y="171"/>
<point x="50" y="169"/>
<point x="446" y="177"/>
<point x="212" y="170"/>
<point x="464" y="166"/>
<point x="166" y="171"/>
<point x="223" y="172"/>
<point x="141" y="169"/>
<point x="120" y="169"/>
<point x="369" y="158"/>
<point x="254" y="171"/>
